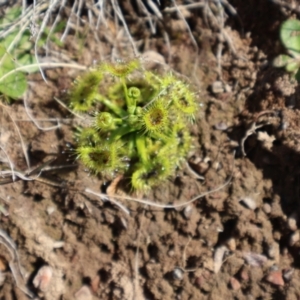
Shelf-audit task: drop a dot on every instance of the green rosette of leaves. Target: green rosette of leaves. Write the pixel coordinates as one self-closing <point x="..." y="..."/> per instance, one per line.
<point x="139" y="122"/>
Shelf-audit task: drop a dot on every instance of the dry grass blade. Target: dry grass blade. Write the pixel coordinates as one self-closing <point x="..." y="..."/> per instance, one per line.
<point x="118" y="11"/>
<point x="11" y="165"/>
<point x="154" y="204"/>
<point x="24" y="149"/>
<point x="44" y="65"/>
<point x="69" y="22"/>
<point x="104" y="198"/>
<point x="40" y="32"/>
<point x="158" y="205"/>
<point x="57" y="19"/>
<point x="13" y="175"/>
<point x="34" y="120"/>
<point x="187" y="6"/>
<point x="14" y="263"/>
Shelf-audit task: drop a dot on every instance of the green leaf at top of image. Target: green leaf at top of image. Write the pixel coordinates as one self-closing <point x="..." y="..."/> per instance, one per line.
<point x="290" y="35"/>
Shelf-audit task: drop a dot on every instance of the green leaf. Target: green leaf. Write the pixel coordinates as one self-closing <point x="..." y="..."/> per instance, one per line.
<point x="52" y="37"/>
<point x="6" y="42"/>
<point x="11" y="15"/>
<point x="297" y="75"/>
<point x="290" y="35"/>
<point x="25" y="44"/>
<point x="2" y="50"/>
<point x="28" y="59"/>
<point x="14" y="85"/>
<point x="292" y="66"/>
<point x="282" y="60"/>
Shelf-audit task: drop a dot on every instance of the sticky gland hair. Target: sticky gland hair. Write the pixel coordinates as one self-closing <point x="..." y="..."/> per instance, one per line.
<point x="84" y="91"/>
<point x="120" y="69"/>
<point x="101" y="158"/>
<point x="155" y="118"/>
<point x="146" y="176"/>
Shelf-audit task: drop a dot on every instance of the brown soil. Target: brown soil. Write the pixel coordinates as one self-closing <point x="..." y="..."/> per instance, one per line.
<point x="241" y="242"/>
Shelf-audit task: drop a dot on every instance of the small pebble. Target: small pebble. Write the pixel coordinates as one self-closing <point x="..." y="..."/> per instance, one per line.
<point x="222" y="126"/>
<point x="58" y="244"/>
<point x="267" y="208"/>
<point x="50" y="210"/>
<point x="117" y="292"/>
<point x="234" y="284"/>
<point x="227" y="88"/>
<point x="273" y="268"/>
<point x="124" y="222"/>
<point x="42" y="279"/>
<point x="275" y="277"/>
<point x="84" y="293"/>
<point x="285" y="251"/>
<point x="288" y="273"/>
<point x="244" y="275"/>
<point x="254" y="259"/>
<point x="217" y="87"/>
<point x="218" y="258"/>
<point x="220" y="228"/>
<point x="187" y="212"/>
<point x="277" y="235"/>
<point x="199" y="281"/>
<point x="294" y="238"/>
<point x="292" y="222"/>
<point x="202" y="281"/>
<point x="95" y="283"/>
<point x="274" y="251"/>
<point x="231" y="244"/>
<point x="109" y="217"/>
<point x="178" y="274"/>
<point x="249" y="202"/>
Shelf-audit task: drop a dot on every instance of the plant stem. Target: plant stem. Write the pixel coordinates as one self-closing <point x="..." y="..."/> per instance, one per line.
<point x="126" y="94"/>
<point x="141" y="148"/>
<point x="115" y="108"/>
<point x="119" y="132"/>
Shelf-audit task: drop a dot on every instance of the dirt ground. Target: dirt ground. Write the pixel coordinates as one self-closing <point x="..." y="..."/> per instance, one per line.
<point x="240" y="242"/>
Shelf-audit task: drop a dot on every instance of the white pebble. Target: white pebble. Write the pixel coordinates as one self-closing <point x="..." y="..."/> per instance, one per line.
<point x="217" y="87"/>
<point x="249" y="202"/>
<point x="231" y="244"/>
<point x="50" y="210"/>
<point x="292" y="222"/>
<point x="255" y="259"/>
<point x="178" y="274"/>
<point x="267" y="208"/>
<point x="84" y="293"/>
<point x="294" y="238"/>
<point x="42" y="279"/>
<point x="187" y="212"/>
<point x="218" y="257"/>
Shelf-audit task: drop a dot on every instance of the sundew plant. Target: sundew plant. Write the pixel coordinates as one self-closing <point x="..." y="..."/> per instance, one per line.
<point x="139" y="122"/>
